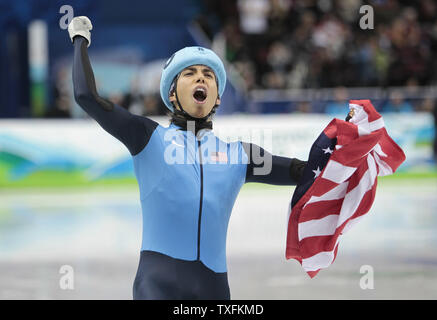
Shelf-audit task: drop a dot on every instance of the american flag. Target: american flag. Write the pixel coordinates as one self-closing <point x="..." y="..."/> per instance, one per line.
<point x="338" y="185"/>
<point x="219" y="157"/>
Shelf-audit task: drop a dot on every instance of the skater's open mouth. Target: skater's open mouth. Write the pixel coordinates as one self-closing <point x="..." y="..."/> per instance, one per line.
<point x="200" y="93"/>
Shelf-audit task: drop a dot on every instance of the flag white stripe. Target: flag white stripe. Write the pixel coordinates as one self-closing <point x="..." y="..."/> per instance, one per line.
<point x="336" y="172"/>
<point x="318" y="227"/>
<point x="377" y="149"/>
<point x="350" y="203"/>
<point x="384" y="168"/>
<point x="377" y="124"/>
<point x="336" y="193"/>
<point x="320" y="260"/>
<point x="351" y="223"/>
<point x="361" y="120"/>
<point x="355" y="106"/>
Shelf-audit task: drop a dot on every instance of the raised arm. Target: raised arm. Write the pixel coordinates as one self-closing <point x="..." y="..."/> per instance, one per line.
<point x="264" y="167"/>
<point x="133" y="131"/>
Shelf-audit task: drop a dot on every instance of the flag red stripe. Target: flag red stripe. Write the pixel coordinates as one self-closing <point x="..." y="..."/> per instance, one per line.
<point x="321" y="209"/>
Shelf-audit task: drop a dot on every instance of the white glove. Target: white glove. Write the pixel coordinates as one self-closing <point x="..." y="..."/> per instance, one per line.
<point x="80" y="26"/>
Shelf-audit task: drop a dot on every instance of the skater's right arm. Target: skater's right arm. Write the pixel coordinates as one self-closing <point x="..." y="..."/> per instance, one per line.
<point x="133" y="131"/>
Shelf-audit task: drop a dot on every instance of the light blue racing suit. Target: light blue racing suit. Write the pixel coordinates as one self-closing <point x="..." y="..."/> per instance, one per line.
<point x="188" y="185"/>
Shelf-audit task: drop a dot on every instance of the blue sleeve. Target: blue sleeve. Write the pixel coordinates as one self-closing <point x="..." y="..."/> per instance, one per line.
<point x="284" y="171"/>
<point x="132" y="130"/>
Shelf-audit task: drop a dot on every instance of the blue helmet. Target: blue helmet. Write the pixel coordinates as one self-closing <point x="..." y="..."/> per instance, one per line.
<point x="184" y="58"/>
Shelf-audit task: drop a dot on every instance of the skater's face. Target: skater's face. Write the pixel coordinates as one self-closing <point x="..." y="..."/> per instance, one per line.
<point x="197" y="91"/>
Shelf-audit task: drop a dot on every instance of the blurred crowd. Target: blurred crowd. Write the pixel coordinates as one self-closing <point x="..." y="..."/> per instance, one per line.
<point x="137" y="102"/>
<point x="283" y="44"/>
<point x="280" y="44"/>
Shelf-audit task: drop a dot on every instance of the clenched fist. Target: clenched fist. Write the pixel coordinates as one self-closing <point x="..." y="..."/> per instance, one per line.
<point x="80" y="26"/>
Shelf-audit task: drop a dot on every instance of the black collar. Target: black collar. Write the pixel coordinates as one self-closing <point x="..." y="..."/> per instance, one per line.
<point x="181" y="119"/>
